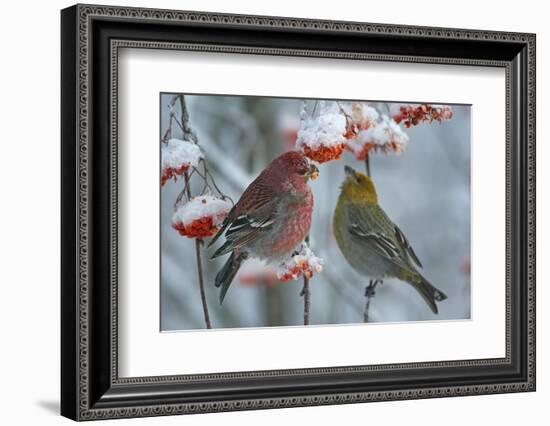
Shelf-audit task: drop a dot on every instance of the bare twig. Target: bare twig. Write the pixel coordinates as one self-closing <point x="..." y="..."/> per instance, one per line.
<point x="369" y="291"/>
<point x="183" y="192"/>
<point x="224" y="196"/>
<point x="305" y="293"/>
<point x="369" y="294"/>
<point x="206" y="177"/>
<point x="168" y="133"/>
<point x="303" y="112"/>
<point x="198" y="243"/>
<point x="189" y="133"/>
<point x="367" y="165"/>
<point x="305" y="289"/>
<point x="345" y="114"/>
<point x="314" y="108"/>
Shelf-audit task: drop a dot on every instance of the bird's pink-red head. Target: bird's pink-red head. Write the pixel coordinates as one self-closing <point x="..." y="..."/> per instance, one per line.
<point x="294" y="162"/>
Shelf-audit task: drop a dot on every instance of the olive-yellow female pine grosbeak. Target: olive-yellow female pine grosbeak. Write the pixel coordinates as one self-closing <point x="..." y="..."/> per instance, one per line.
<point x="371" y="243"/>
<point x="270" y="219"/>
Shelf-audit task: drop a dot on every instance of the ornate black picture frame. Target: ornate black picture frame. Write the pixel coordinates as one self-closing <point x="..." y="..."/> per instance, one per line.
<point x="91" y="37"/>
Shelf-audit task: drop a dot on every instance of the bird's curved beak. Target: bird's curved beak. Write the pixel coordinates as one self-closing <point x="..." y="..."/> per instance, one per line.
<point x="313" y="172"/>
<point x="350" y="172"/>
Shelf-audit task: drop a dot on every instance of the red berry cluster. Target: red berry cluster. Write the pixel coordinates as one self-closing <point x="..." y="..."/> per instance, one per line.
<point x="412" y="115"/>
<point x="324" y="153"/>
<point x="172" y="172"/>
<point x="199" y="228"/>
<point x="295" y="272"/>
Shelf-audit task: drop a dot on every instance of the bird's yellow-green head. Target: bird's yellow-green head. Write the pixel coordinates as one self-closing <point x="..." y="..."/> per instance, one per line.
<point x="358" y="187"/>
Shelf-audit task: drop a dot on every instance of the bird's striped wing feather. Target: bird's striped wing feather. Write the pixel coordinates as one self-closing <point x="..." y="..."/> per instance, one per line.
<point x="380" y="234"/>
<point x="248" y="227"/>
<point x="257" y="200"/>
<point x="404" y="243"/>
<point x="379" y="241"/>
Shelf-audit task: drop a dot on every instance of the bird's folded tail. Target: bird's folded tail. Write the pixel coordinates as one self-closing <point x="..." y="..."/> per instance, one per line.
<point x="428" y="292"/>
<point x="225" y="276"/>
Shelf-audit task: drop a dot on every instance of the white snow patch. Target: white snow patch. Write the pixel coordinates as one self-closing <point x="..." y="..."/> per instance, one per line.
<point x="363" y="115"/>
<point x="326" y="129"/>
<point x="202" y="206"/>
<point x="305" y="262"/>
<point x="386" y="135"/>
<point x="178" y="153"/>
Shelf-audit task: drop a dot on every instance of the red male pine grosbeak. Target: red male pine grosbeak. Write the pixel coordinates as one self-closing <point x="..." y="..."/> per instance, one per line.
<point x="271" y="218"/>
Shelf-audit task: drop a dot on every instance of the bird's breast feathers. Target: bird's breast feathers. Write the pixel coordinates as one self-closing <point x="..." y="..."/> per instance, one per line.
<point x="295" y="221"/>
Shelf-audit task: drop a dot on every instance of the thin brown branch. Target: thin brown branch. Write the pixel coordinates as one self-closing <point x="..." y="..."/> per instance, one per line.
<point x="346" y="115"/>
<point x="213" y="181"/>
<point x="189" y="134"/>
<point x="168" y="133"/>
<point x="305" y="293"/>
<point x="184" y="192"/>
<point x="206" y="186"/>
<point x="367" y="165"/>
<point x="369" y="291"/>
<point x="198" y="243"/>
<point x="369" y="294"/>
<point x="366" y="313"/>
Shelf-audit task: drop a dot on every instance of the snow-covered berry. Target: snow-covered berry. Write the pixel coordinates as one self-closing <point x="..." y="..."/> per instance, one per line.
<point x="361" y="117"/>
<point x="414" y="114"/>
<point x="322" y="138"/>
<point x="303" y="263"/>
<point x="386" y="136"/>
<point x="177" y="157"/>
<point x="200" y="217"/>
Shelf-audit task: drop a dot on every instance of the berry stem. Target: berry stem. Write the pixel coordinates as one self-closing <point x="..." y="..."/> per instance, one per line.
<point x="305" y="294"/>
<point x="369" y="291"/>
<point x="367" y="165"/>
<point x="369" y="294"/>
<point x="189" y="134"/>
<point x="198" y="243"/>
<point x="366" y="313"/>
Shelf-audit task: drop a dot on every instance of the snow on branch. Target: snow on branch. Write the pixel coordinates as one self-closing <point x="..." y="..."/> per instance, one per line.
<point x="178" y="156"/>
<point x="303" y="262"/>
<point x="322" y="138"/>
<point x="360" y="127"/>
<point x="200" y="217"/>
<point x="414" y="114"/>
<point x="385" y="136"/>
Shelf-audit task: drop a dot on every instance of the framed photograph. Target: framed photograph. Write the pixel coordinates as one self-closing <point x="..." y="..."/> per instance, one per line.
<point x="263" y="212"/>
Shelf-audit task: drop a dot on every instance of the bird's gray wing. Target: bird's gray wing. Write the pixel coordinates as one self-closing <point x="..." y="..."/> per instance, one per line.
<point x="257" y="199"/>
<point x="406" y="247"/>
<point x="377" y="232"/>
<point x="247" y="227"/>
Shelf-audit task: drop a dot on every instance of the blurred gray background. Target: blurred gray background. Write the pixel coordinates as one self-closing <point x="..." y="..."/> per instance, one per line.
<point x="426" y="191"/>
